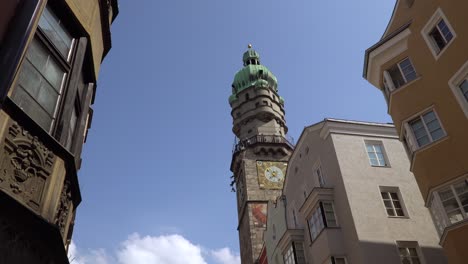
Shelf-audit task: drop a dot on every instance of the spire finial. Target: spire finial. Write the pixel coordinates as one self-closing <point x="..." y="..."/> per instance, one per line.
<point x="249" y="46"/>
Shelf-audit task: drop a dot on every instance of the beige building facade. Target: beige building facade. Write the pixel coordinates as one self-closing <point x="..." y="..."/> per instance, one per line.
<point x="421" y="66"/>
<point x="50" y="56"/>
<point x="349" y="197"/>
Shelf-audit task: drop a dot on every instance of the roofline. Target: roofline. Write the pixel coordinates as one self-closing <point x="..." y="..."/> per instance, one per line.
<point x="380" y="43"/>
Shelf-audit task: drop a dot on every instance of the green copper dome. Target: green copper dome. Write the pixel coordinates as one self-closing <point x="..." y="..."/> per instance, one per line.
<point x="253" y="74"/>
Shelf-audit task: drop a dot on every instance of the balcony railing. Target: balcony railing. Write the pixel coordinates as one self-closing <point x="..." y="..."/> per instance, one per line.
<point x="242" y="144"/>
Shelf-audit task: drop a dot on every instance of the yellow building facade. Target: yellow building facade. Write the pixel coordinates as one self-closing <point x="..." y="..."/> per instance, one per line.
<point x="421" y="66"/>
<point x="50" y="56"/>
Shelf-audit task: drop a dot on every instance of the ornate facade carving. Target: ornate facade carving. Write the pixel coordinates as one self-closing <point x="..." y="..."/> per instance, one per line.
<point x="24" y="166"/>
<point x="64" y="208"/>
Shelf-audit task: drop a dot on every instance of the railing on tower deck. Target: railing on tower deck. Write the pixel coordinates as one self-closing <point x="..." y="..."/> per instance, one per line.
<point x="242" y="144"/>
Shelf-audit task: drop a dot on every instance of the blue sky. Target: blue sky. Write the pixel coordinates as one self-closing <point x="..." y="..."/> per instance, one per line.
<point x="156" y="163"/>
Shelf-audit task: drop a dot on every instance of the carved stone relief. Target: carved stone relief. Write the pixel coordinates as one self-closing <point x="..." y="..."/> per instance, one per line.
<point x="64" y="208"/>
<point x="24" y="166"/>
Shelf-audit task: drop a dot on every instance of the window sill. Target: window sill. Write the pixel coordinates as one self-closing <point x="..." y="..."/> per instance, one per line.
<point x="376" y="166"/>
<point x="398" y="217"/>
<point x="436" y="54"/>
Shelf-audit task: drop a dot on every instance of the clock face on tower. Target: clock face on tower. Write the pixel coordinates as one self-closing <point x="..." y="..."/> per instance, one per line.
<point x="271" y="174"/>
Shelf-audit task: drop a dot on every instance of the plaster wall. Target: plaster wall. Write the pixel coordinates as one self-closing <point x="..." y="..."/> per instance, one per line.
<point x="362" y="184"/>
<point x="272" y="235"/>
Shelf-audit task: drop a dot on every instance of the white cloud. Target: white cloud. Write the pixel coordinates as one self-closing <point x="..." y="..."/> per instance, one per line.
<point x="166" y="249"/>
<point x="171" y="249"/>
<point x="225" y="256"/>
<point x="98" y="256"/>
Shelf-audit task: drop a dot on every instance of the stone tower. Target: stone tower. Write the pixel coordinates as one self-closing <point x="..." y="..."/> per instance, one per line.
<point x="261" y="150"/>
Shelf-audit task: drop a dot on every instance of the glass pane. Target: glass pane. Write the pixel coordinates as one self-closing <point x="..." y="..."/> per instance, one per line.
<point x="396" y="76"/>
<point x="433" y="125"/>
<point x="464" y="199"/>
<point x="374" y="162"/>
<point x="394" y="196"/>
<point x="403" y="252"/>
<point x="385" y="195"/>
<point x="445" y="30"/>
<point x="446" y="194"/>
<point x="54" y="74"/>
<point x="399" y="212"/>
<point x="455" y="216"/>
<point x="413" y="252"/>
<point x="32" y="108"/>
<point x="331" y="223"/>
<point x="390" y="212"/>
<point x="369" y="148"/>
<point x="327" y="207"/>
<point x="464" y="89"/>
<point x="429" y="116"/>
<point x="37" y="54"/>
<point x="29" y="78"/>
<point x="396" y="204"/>
<point x="437" y="38"/>
<point x="461" y="187"/>
<point x="423" y="141"/>
<point x="388" y="204"/>
<point x="381" y="158"/>
<point x="450" y="204"/>
<point x="47" y="97"/>
<point x="437" y="134"/>
<point x="405" y="261"/>
<point x="56" y="32"/>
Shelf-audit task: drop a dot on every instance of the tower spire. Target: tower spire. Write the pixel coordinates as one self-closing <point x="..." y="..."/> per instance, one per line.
<point x="260" y="156"/>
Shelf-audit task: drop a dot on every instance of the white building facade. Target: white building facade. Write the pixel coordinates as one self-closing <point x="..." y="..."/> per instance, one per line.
<point x="350" y="194"/>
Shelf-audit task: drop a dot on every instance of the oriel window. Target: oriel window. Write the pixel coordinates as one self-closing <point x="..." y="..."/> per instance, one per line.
<point x="44" y="72"/>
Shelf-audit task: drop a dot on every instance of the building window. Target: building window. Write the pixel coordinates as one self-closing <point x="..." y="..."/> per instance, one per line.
<point x="317" y="170"/>
<point x="323" y="216"/>
<point x="375" y="152"/>
<point x="392" y="203"/>
<point x="289" y="256"/>
<point x="441" y="35"/>
<point x="449" y="205"/>
<point x="337" y="260"/>
<point x="426" y="128"/>
<point x="399" y="75"/>
<point x="438" y="33"/>
<point x="320" y="177"/>
<point x="408" y="252"/>
<point x="459" y="85"/>
<point x="44" y="71"/>
<point x="464" y="89"/>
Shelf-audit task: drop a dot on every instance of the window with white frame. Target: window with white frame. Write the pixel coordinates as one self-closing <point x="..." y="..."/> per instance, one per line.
<point x="441" y="35"/>
<point x="426" y="128"/>
<point x="337" y="260"/>
<point x="438" y="33"/>
<point x="323" y="216"/>
<point x="392" y="203"/>
<point x="464" y="89"/>
<point x="399" y="74"/>
<point x="317" y="169"/>
<point x="375" y="152"/>
<point x="289" y="256"/>
<point x="449" y="205"/>
<point x="459" y="85"/>
<point x="320" y="177"/>
<point x="408" y="252"/>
